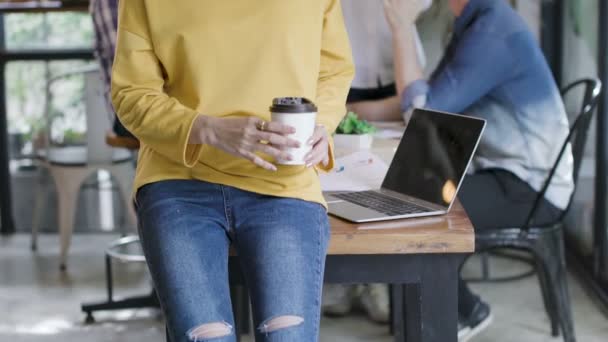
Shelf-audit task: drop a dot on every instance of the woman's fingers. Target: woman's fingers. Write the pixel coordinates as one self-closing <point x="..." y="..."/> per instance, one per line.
<point x="273" y="151"/>
<point x="317" y="135"/>
<point x="277" y="140"/>
<point x="278" y="128"/>
<point x="259" y="161"/>
<point x="317" y="155"/>
<point x="320" y="149"/>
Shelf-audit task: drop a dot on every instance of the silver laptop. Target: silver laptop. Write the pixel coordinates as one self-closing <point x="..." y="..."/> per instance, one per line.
<point x="425" y="174"/>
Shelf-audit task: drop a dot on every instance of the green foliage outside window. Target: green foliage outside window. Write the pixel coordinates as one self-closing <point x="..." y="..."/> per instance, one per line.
<point x="26" y="81"/>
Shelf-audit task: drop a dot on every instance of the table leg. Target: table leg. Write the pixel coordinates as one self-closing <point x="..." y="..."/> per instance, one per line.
<point x="434" y="301"/>
<point x="397" y="315"/>
<point x="412" y="310"/>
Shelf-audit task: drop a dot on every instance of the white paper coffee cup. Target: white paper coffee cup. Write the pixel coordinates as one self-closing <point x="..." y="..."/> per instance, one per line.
<point x="301" y="114"/>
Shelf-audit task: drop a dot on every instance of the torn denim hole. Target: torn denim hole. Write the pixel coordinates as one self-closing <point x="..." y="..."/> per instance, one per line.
<point x="209" y="331"/>
<point x="280" y="322"/>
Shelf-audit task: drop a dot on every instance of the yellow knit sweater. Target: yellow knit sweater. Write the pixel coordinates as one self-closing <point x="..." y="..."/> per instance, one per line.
<point x="225" y="58"/>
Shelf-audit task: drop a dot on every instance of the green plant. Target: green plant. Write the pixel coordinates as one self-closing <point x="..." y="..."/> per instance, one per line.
<point x="72" y="137"/>
<point x="352" y="125"/>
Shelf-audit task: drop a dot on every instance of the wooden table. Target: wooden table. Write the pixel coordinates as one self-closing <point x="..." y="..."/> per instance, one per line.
<point x="420" y="257"/>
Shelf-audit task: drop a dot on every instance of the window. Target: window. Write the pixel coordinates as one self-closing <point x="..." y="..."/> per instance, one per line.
<point x="56" y="30"/>
<point x="26" y="86"/>
<point x="26" y="81"/>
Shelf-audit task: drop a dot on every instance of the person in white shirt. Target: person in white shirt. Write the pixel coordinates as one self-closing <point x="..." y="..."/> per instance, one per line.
<point x="373" y="93"/>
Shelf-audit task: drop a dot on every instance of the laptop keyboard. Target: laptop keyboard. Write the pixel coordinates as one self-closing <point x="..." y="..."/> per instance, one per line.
<point x="381" y="203"/>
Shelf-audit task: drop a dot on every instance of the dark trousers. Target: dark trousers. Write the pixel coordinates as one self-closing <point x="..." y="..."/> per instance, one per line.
<point x="497" y="199"/>
<point x="120" y="130"/>
<point x="371" y="94"/>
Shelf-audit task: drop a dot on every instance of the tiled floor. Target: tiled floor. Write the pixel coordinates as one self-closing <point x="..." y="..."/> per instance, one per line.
<point x="38" y="303"/>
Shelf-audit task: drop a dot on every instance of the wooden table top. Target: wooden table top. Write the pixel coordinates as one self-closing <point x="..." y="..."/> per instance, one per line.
<point x="451" y="233"/>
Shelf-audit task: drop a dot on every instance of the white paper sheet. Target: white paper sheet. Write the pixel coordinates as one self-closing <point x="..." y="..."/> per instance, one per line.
<point x="389" y="133"/>
<point x="389" y="130"/>
<point x="358" y="171"/>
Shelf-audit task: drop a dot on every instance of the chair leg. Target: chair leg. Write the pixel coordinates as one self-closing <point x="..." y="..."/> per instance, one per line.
<point x="560" y="282"/>
<point x="552" y="260"/>
<point x="123" y="175"/>
<point x="38" y="209"/>
<point x="398" y="319"/>
<point x="67" y="182"/>
<point x="391" y="309"/>
<point x="548" y="299"/>
<point x="485" y="266"/>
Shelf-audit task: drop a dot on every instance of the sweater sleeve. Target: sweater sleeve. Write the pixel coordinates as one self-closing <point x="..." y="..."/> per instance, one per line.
<point x="158" y="120"/>
<point x="336" y="72"/>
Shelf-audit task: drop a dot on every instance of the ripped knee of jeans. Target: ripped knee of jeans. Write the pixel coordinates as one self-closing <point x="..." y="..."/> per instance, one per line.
<point x="280" y="322"/>
<point x="209" y="331"/>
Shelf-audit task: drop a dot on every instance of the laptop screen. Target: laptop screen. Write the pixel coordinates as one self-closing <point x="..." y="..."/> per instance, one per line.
<point x="433" y="156"/>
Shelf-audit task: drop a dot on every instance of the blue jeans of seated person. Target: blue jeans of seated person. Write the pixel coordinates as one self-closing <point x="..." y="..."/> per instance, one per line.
<point x="186" y="228"/>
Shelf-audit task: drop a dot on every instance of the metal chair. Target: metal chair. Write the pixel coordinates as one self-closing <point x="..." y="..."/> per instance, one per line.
<point x="546" y="243"/>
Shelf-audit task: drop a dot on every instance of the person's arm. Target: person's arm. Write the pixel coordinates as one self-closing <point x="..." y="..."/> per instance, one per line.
<point x="335" y="75"/>
<point x="158" y="120"/>
<point x="407" y="67"/>
<point x="401" y="16"/>
<point x="478" y="65"/>
<point x="388" y="109"/>
<point x="479" y="62"/>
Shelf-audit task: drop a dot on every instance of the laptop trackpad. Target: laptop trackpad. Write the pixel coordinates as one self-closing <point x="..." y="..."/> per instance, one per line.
<point x="353" y="212"/>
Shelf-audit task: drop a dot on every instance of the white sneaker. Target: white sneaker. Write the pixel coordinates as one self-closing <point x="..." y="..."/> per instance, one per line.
<point x="337" y="299"/>
<point x="375" y="301"/>
<point x="463" y="331"/>
<point x="478" y="320"/>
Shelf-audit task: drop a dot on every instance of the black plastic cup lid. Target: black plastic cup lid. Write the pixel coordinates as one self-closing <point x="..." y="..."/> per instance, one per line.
<point x="292" y="105"/>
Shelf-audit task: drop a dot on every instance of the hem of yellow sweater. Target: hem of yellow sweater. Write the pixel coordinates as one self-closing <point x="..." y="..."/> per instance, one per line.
<point x="316" y="197"/>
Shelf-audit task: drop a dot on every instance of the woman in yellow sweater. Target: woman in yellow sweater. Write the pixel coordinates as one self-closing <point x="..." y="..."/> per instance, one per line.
<point x="192" y="80"/>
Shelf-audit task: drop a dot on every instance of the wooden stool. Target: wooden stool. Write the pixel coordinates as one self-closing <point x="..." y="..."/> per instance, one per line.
<point x="125" y="142"/>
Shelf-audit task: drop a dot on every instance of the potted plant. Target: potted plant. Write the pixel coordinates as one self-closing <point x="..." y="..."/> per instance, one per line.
<point x="354" y="133"/>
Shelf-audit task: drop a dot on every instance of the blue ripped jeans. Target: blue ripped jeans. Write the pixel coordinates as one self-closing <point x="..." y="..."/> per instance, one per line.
<point x="186" y="229"/>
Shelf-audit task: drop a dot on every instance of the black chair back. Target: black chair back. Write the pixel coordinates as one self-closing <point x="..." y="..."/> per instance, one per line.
<point x="577" y="137"/>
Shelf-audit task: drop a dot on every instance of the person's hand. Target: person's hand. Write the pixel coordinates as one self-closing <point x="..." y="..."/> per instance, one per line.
<point x="402" y="14"/>
<point x="319" y="154"/>
<point x="243" y="137"/>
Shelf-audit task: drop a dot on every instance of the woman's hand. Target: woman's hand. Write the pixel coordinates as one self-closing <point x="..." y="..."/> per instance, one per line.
<point x="243" y="137"/>
<point x="402" y="14"/>
<point x="320" y="148"/>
